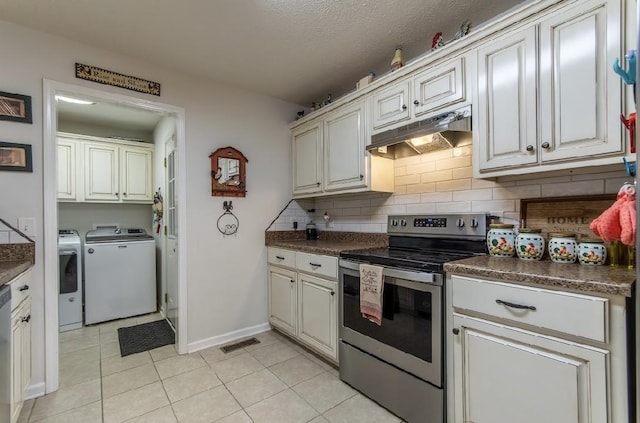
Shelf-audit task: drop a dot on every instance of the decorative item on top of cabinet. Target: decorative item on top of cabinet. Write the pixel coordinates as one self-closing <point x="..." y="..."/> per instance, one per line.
<point x="398" y="61"/>
<point x="228" y="173"/>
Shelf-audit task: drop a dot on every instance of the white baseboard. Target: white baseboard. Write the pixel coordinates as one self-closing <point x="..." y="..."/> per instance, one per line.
<point x="34" y="391"/>
<point x="227" y="337"/>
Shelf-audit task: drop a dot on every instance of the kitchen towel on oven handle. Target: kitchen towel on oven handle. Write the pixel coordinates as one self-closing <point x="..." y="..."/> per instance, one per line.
<point x="371" y="288"/>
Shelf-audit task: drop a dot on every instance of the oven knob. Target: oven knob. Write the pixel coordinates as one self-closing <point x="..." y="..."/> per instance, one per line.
<point x="403" y="222"/>
<point x="460" y="223"/>
<point x="474" y="223"/>
<point x="394" y="222"/>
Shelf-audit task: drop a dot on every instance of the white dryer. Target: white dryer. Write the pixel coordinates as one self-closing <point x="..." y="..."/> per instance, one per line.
<point x="69" y="280"/>
<point x="119" y="274"/>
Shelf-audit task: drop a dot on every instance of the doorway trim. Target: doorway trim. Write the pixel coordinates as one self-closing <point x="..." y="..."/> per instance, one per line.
<point x="50" y="129"/>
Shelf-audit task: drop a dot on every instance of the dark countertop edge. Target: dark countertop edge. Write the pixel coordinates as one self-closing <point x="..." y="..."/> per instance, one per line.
<point x="540" y="280"/>
<point x="10" y="269"/>
<point x="329" y="250"/>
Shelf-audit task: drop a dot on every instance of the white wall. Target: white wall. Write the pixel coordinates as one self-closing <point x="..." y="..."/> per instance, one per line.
<point x="226" y="276"/>
<point x="82" y="216"/>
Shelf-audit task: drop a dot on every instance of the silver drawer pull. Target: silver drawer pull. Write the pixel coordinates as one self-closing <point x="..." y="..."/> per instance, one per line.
<point x="315" y="265"/>
<point x="23" y="288"/>
<point x="518" y="306"/>
<point x="280" y="257"/>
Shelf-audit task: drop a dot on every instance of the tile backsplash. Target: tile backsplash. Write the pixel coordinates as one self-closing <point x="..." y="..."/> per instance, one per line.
<point x="442" y="182"/>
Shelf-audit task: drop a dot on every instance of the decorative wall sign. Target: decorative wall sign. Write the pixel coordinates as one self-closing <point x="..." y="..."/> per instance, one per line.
<point x="15" y="157"/>
<point x="15" y="107"/>
<point x="103" y="76"/>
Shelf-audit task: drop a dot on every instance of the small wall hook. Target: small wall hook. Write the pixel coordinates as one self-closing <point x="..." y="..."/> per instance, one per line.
<point x="629" y="76"/>
<point x="227" y="206"/>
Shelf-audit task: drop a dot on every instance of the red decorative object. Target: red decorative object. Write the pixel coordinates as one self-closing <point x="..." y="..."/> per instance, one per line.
<point x="630" y="124"/>
<point x="437" y="41"/>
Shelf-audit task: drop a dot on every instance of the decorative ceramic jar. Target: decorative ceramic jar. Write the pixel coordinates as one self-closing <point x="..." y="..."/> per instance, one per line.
<point x="530" y="244"/>
<point x="501" y="240"/>
<point x="563" y="247"/>
<point x="592" y="251"/>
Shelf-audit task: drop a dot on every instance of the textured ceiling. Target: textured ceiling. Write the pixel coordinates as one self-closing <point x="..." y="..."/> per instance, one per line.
<point x="295" y="50"/>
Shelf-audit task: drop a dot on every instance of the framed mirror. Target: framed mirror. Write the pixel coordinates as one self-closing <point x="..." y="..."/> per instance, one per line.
<point x="228" y="173"/>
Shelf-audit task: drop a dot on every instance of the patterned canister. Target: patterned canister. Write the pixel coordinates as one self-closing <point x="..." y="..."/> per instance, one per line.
<point x="592" y="251"/>
<point x="563" y="247"/>
<point x="530" y="244"/>
<point x="501" y="240"/>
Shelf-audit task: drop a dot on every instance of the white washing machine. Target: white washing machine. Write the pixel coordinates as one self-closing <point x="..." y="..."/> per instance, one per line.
<point x="119" y="274"/>
<point x="69" y="279"/>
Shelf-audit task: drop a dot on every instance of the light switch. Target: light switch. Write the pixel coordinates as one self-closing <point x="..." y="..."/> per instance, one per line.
<point x="27" y="225"/>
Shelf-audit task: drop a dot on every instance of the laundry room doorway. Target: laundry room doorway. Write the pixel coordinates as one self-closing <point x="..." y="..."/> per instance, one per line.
<point x="107" y="174"/>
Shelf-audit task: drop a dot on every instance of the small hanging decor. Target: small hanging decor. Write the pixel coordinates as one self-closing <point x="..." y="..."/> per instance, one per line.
<point x="157" y="210"/>
<point x="228" y="223"/>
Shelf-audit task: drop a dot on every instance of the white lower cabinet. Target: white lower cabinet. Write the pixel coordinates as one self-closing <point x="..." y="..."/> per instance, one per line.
<point x="520" y="354"/>
<point x="301" y="303"/>
<point x="283" y="299"/>
<point x="20" y="342"/>
<point x="504" y="375"/>
<point x="317" y="317"/>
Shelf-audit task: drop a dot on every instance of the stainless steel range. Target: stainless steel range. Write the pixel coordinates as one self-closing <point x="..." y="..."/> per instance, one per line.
<point x="400" y="364"/>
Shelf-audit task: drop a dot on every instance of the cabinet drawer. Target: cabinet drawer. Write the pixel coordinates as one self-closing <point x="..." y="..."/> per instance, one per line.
<point x="281" y="257"/>
<point x="317" y="265"/>
<point x="574" y="314"/>
<point x="20" y="288"/>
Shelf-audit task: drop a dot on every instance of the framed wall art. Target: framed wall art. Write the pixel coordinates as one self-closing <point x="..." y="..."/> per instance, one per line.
<point x="15" y="157"/>
<point x="15" y="107"/>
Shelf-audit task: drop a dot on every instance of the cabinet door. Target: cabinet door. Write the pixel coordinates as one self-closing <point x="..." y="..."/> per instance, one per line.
<point x="505" y="128"/>
<point x="136" y="174"/>
<point x="580" y="96"/>
<point x="504" y="375"/>
<point x="390" y="105"/>
<point x="101" y="172"/>
<point x="26" y="347"/>
<point x="66" y="169"/>
<point x="16" y="363"/>
<point x="307" y="159"/>
<point x="318" y="314"/>
<point x="283" y="299"/>
<point x="344" y="149"/>
<point x="439" y="86"/>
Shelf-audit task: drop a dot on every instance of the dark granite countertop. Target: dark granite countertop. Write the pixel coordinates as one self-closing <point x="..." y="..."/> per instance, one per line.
<point x="598" y="279"/>
<point x="11" y="269"/>
<point x="330" y="243"/>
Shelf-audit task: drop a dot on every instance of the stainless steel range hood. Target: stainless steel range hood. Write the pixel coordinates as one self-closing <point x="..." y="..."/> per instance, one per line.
<point x="437" y="132"/>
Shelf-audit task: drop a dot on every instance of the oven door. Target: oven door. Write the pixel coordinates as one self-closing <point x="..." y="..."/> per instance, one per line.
<point x="410" y="336"/>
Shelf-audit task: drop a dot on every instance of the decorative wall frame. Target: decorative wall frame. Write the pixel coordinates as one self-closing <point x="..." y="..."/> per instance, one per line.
<point x="107" y="77"/>
<point x="15" y="107"/>
<point x="15" y="157"/>
<point x="228" y="173"/>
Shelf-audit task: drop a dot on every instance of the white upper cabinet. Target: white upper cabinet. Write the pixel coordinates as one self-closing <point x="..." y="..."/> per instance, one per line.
<point x="439" y="86"/>
<point x="101" y="172"/>
<point x="344" y="148"/>
<point x="580" y="96"/>
<point x="562" y="114"/>
<point x="433" y="89"/>
<point x="329" y="155"/>
<point x="505" y="114"/>
<point x="307" y="159"/>
<point x="391" y="105"/>
<point x="97" y="170"/>
<point x="136" y="176"/>
<point x="66" y="150"/>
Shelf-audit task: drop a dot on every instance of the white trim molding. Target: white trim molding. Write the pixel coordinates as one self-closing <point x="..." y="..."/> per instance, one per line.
<point x="228" y="337"/>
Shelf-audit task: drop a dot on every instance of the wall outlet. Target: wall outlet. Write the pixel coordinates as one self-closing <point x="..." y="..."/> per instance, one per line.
<point x="27" y="225"/>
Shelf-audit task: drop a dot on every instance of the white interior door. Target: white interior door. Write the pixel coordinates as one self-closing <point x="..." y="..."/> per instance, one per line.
<point x="171" y="234"/>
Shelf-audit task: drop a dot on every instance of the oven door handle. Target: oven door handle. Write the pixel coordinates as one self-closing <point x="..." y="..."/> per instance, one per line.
<point x="408" y="275"/>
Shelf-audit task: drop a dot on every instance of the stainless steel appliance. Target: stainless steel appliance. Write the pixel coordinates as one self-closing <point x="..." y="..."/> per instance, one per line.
<point x="400" y="364"/>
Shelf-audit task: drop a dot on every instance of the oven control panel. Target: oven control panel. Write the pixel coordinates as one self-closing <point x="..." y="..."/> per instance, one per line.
<point x="463" y="225"/>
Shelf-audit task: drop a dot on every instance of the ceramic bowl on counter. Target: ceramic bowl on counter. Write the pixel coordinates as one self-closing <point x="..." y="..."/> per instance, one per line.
<point x="592" y="252"/>
<point x="563" y="247"/>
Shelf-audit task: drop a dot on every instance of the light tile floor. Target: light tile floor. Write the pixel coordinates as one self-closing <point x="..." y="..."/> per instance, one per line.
<point x="275" y="381"/>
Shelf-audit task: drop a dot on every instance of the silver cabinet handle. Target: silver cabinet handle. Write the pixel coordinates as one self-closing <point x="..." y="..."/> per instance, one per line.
<point x="23" y="288"/>
<point x="545" y="145"/>
<point x="529" y="147"/>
